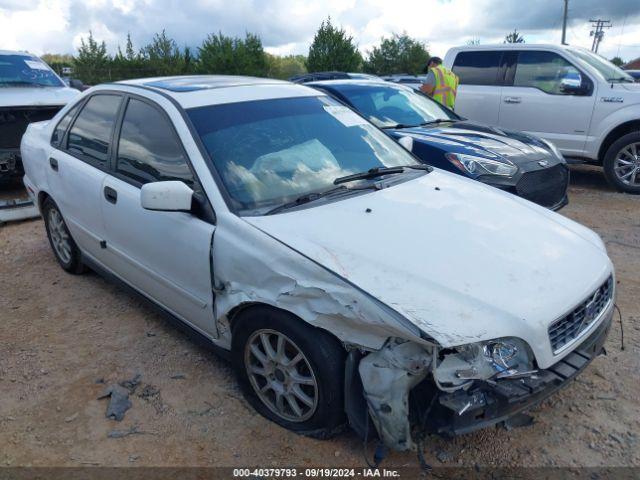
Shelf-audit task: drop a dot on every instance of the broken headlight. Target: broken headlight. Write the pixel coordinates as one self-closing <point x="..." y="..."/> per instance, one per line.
<point x="488" y="360"/>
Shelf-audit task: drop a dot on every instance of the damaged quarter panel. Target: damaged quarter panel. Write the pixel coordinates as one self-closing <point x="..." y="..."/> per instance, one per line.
<point x="251" y="267"/>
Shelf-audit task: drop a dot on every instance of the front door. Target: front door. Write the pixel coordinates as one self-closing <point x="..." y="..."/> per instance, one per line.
<point x="166" y="255"/>
<point x="535" y="100"/>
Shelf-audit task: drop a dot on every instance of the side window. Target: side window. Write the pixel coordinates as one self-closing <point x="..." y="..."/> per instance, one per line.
<point x="61" y="128"/>
<point x="477" y="68"/>
<point x="91" y="132"/>
<point x="547" y="71"/>
<point x="148" y="149"/>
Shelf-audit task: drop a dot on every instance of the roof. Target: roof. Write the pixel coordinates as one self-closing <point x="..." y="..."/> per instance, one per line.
<point x="356" y="81"/>
<point x="199" y="90"/>
<point x="514" y="46"/>
<point x="193" y="83"/>
<point x="15" y="52"/>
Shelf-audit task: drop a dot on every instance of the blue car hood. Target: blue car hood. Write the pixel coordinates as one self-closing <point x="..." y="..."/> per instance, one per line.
<point x="477" y="139"/>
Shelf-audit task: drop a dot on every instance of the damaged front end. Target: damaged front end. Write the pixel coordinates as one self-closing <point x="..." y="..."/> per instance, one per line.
<point x="13" y="124"/>
<point x="411" y="390"/>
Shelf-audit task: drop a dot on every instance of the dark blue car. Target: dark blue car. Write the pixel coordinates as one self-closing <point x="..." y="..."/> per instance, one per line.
<point x="513" y="161"/>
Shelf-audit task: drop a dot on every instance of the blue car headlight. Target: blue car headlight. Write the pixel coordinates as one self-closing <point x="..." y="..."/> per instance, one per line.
<point x="475" y="166"/>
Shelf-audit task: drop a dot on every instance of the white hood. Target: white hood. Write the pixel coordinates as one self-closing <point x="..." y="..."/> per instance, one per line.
<point x="462" y="261"/>
<point x="36" y="96"/>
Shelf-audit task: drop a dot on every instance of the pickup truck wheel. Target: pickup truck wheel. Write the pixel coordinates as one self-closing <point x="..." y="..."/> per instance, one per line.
<point x="622" y="163"/>
<point x="290" y="372"/>
<point x="64" y="248"/>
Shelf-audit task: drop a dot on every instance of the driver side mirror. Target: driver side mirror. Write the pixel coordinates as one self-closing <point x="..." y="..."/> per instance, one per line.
<point x="573" y="85"/>
<point x="169" y="196"/>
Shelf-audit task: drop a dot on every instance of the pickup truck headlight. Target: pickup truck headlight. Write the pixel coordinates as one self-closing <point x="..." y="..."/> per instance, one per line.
<point x="482" y="166"/>
<point x="488" y="360"/>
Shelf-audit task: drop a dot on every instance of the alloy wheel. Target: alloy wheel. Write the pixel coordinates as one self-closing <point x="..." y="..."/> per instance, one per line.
<point x="627" y="165"/>
<point x="281" y="375"/>
<point x="59" y="236"/>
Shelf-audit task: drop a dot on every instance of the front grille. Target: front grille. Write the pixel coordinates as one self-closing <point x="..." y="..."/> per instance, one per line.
<point x="14" y="121"/>
<point x="546" y="187"/>
<point x="571" y="326"/>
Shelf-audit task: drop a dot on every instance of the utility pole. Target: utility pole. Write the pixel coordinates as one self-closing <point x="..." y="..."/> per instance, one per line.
<point x="564" y="22"/>
<point x="598" y="33"/>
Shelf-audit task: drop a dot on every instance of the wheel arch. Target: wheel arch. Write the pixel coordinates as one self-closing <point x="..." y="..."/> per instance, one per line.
<point x="235" y="315"/>
<point x="616" y="133"/>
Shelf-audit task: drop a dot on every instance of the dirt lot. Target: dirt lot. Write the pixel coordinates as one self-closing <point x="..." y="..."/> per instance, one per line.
<point x="63" y="338"/>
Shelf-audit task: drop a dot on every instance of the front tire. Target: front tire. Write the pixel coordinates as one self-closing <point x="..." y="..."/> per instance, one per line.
<point x="622" y="163"/>
<point x="290" y="372"/>
<point x="64" y="248"/>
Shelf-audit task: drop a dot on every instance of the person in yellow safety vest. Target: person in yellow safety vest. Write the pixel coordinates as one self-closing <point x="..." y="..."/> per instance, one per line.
<point x="441" y="83"/>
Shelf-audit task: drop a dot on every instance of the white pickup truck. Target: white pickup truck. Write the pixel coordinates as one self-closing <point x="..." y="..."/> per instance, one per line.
<point x="585" y="105"/>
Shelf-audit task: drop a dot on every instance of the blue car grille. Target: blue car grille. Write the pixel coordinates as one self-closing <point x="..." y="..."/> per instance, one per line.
<point x="572" y="325"/>
<point x="546" y="187"/>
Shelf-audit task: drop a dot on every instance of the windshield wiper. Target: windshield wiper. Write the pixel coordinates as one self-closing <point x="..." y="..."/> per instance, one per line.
<point x="437" y="120"/>
<point x="378" y="172"/>
<point x="313" y="196"/>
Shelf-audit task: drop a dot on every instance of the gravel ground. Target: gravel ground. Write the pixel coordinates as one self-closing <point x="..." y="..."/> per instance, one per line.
<point x="64" y="337"/>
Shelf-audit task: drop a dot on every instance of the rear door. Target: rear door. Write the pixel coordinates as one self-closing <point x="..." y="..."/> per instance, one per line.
<point x="77" y="165"/>
<point x="535" y="99"/>
<point x="480" y="85"/>
<point x="165" y="255"/>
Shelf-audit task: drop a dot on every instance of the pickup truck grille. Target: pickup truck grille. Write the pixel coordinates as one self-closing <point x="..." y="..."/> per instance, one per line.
<point x="571" y="326"/>
<point x="546" y="187"/>
<point x="14" y="121"/>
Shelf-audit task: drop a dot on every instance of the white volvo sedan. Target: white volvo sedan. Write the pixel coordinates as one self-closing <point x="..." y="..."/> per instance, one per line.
<point x="347" y="280"/>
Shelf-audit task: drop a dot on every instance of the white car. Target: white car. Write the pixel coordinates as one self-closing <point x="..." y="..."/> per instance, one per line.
<point x="29" y="92"/>
<point x="342" y="275"/>
<point x="585" y="105"/>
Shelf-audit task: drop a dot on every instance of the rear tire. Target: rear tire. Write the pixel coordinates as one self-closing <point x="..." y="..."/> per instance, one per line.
<point x="622" y="164"/>
<point x="64" y="248"/>
<point x="305" y="396"/>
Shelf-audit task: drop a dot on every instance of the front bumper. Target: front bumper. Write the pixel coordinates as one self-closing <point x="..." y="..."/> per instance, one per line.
<point x="485" y="404"/>
<point x="545" y="186"/>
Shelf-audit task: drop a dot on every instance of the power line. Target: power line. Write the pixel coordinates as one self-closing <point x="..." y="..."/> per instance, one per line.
<point x="598" y="33"/>
<point x="564" y="22"/>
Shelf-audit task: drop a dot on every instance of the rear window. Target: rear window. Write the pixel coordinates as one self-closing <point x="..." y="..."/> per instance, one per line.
<point x="477" y="68"/>
<point x="91" y="133"/>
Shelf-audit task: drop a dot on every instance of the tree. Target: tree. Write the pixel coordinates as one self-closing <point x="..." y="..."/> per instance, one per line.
<point x="514" y="37"/>
<point x="398" y="54"/>
<point x="232" y="56"/>
<point x="285" y="67"/>
<point x="473" y="41"/>
<point x="617" y="61"/>
<point x="91" y="65"/>
<point x="163" y="56"/>
<point x="333" y="49"/>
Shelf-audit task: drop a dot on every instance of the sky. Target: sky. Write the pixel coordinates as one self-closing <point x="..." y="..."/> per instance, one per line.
<point x="288" y="26"/>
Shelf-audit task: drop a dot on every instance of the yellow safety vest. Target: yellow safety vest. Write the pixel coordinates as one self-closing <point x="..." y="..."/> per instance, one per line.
<point x="446" y="86"/>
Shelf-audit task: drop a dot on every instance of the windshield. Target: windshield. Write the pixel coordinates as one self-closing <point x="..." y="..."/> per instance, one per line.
<point x="390" y="106"/>
<point x="270" y="152"/>
<point x="25" y="70"/>
<point x="608" y="70"/>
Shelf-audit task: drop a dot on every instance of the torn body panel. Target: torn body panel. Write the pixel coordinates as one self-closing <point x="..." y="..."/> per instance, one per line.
<point x="285" y="279"/>
<point x="387" y="377"/>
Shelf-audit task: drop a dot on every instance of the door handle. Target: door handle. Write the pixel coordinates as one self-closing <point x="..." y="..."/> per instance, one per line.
<point x="111" y="195"/>
<point x="54" y="164"/>
<point x="512" y="99"/>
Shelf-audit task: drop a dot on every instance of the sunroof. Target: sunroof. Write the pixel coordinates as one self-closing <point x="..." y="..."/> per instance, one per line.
<point x="191" y="84"/>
